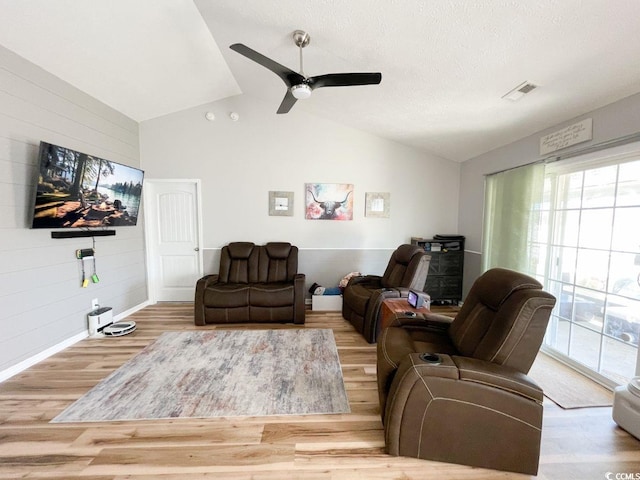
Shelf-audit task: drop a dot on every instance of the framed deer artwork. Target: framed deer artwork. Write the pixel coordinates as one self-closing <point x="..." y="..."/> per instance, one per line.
<point x="329" y="201"/>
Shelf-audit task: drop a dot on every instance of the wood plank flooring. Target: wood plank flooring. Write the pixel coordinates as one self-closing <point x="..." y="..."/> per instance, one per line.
<point x="577" y="444"/>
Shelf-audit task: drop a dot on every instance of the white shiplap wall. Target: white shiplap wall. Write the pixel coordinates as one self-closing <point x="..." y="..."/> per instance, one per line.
<point x="41" y="301"/>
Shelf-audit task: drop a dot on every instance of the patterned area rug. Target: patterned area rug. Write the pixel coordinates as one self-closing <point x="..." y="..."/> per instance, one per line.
<point x="221" y="373"/>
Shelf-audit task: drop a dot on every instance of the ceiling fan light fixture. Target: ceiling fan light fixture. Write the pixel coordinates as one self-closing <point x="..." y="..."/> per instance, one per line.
<point x="301" y="91"/>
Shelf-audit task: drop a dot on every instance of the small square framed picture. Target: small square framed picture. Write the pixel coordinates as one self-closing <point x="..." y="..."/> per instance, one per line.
<point x="377" y="204"/>
<point x="281" y="203"/>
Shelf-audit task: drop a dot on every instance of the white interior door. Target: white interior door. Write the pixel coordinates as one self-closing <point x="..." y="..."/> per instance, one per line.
<point x="173" y="227"/>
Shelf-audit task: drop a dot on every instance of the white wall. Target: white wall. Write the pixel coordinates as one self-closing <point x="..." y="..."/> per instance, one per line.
<point x="612" y="121"/>
<point x="240" y="162"/>
<point x="41" y="301"/>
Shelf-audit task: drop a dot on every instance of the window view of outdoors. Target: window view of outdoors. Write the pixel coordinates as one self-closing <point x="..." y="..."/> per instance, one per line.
<point x="586" y="246"/>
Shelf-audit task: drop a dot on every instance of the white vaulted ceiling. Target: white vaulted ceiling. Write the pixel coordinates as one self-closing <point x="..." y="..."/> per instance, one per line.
<point x="445" y="64"/>
<point x="145" y="58"/>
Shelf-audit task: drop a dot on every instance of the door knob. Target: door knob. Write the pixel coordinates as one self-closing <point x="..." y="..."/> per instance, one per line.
<point x="196" y="249"/>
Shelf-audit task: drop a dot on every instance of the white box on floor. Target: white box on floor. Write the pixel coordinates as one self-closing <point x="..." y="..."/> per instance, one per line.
<point x="327" y="303"/>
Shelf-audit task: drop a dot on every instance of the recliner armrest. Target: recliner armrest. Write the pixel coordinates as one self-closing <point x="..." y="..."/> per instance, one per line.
<point x="498" y="376"/>
<point x="407" y="371"/>
<point x="437" y="319"/>
<point x="426" y="321"/>
<point x="371" y="328"/>
<point x="444" y="368"/>
<point x="198" y="304"/>
<point x="209" y="279"/>
<point x="396" y="292"/>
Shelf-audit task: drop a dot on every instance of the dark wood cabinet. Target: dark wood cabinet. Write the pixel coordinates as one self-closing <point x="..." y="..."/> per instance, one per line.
<point x="444" y="281"/>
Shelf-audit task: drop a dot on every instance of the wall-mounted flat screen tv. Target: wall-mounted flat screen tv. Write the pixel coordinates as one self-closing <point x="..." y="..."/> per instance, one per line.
<point x="77" y="190"/>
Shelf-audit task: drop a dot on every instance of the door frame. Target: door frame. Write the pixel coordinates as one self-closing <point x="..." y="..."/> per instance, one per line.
<point x="150" y="225"/>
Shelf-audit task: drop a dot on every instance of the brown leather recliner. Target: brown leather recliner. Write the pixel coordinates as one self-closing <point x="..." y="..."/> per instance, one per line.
<point x="255" y="283"/>
<point x="363" y="296"/>
<point x="470" y="402"/>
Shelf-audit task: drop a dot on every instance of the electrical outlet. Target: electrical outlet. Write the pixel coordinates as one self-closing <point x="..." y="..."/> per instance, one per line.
<point x="94" y="304"/>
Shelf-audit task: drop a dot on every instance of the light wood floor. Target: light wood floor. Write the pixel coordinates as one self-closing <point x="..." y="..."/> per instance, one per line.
<point x="577" y="444"/>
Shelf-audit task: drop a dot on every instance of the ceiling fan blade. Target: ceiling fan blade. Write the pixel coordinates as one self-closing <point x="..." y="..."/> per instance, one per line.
<point x="288" y="76"/>
<point x="344" y="79"/>
<point x="287" y="102"/>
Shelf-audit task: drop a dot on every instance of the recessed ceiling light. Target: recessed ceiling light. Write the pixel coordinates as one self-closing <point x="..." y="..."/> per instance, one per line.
<point x="520" y="91"/>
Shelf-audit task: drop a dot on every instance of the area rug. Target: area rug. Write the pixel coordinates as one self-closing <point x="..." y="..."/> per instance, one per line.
<point x="566" y="387"/>
<point x="221" y="373"/>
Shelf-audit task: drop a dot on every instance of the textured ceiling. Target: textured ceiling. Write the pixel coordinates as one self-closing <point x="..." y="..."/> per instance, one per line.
<point x="445" y="64"/>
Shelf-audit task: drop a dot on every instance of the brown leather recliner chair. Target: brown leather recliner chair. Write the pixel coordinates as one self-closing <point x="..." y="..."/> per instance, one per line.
<point x="470" y="401"/>
<point x="255" y="283"/>
<point x="363" y="296"/>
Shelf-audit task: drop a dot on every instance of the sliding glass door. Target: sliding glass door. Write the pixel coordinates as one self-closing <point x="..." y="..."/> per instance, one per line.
<point x="587" y="252"/>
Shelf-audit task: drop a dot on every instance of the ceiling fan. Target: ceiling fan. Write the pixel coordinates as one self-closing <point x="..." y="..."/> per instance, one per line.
<point x="298" y="85"/>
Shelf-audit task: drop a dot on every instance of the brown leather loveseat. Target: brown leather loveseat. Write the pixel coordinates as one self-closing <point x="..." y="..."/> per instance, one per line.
<point x="255" y="283"/>
<point x="457" y="391"/>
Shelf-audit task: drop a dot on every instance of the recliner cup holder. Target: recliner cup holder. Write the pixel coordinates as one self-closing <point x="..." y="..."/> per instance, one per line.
<point x="433" y="358"/>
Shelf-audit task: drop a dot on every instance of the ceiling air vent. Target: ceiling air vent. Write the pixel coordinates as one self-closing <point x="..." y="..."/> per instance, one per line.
<point x="518" y="92"/>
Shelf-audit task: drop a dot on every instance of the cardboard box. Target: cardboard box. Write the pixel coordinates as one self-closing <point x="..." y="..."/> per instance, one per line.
<point x="327" y="303"/>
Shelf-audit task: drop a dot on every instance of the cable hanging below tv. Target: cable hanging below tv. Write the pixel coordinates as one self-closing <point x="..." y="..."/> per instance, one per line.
<point x="83" y="233"/>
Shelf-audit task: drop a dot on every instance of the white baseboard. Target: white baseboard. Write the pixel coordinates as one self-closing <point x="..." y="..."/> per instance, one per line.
<point x="31" y="361"/>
